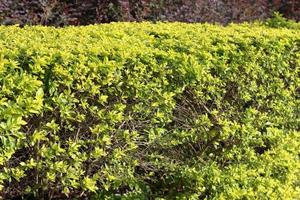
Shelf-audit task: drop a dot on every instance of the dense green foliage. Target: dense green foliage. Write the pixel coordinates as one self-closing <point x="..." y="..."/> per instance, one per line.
<point x="150" y="111"/>
<point x="278" y="21"/>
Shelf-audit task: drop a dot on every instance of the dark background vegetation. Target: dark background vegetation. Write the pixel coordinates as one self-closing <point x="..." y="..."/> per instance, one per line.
<point x="82" y="12"/>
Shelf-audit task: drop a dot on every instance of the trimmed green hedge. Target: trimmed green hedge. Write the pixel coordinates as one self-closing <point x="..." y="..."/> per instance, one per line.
<point x="150" y="111"/>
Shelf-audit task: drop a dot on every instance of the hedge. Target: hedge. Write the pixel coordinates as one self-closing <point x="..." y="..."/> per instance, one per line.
<point x="150" y="111"/>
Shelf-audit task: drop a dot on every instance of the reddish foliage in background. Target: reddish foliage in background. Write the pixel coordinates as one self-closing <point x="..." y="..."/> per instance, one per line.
<point x="81" y="12"/>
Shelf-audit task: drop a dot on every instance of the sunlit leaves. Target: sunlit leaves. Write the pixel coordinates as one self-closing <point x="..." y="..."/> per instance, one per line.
<point x="198" y="111"/>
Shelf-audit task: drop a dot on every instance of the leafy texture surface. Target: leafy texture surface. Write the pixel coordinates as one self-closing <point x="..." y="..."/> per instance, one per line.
<point x="82" y="12"/>
<point x="150" y="111"/>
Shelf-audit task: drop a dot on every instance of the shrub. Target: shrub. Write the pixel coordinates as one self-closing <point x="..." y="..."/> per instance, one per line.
<point x="82" y="12"/>
<point x="278" y="21"/>
<point x="150" y="111"/>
